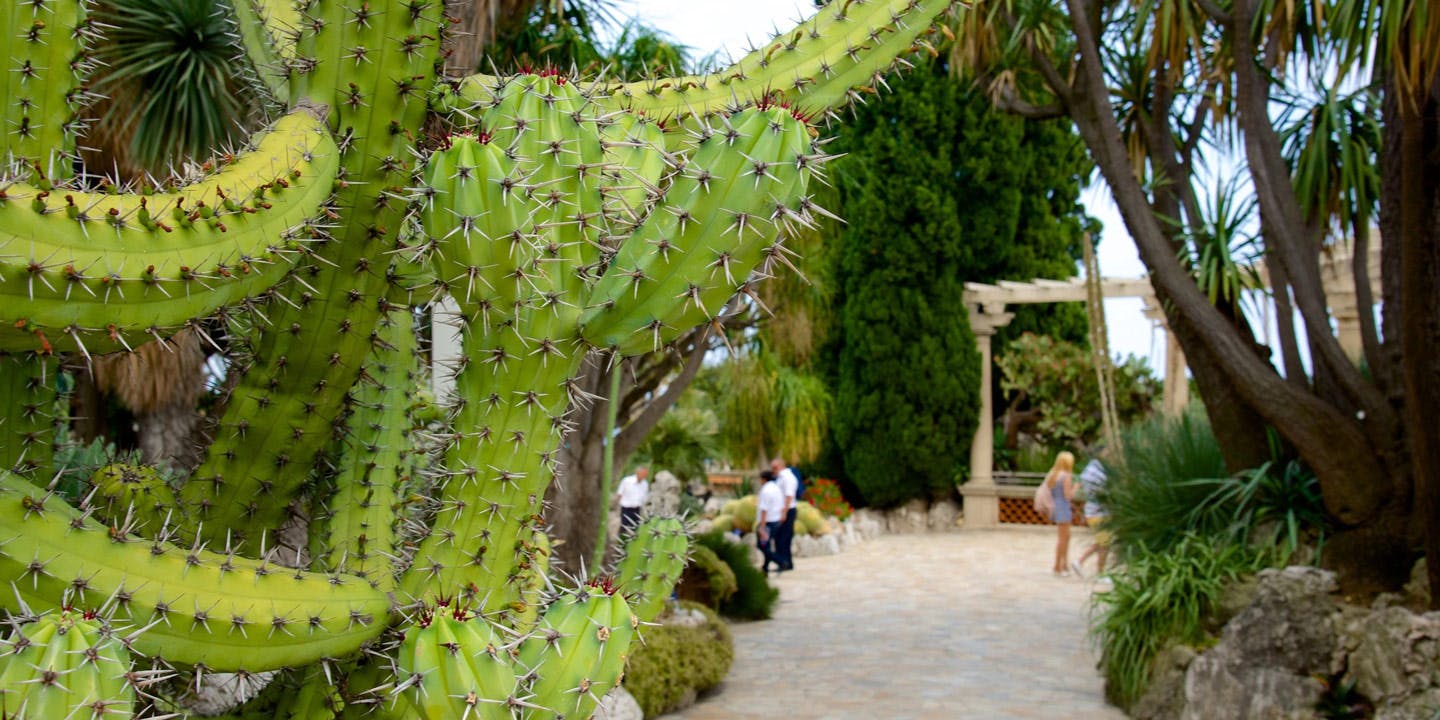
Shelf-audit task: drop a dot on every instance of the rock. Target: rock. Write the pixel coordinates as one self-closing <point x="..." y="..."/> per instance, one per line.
<point x="1396" y="655"/>
<point x="908" y="519"/>
<point x="1290" y="625"/>
<point x="664" y="498"/>
<point x="714" y="505"/>
<point x="1269" y="657"/>
<point x="1164" y="698"/>
<point x="619" y="705"/>
<point x="684" y="617"/>
<point x="867" y="524"/>
<point x="1218" y="686"/>
<point x="816" y="546"/>
<point x="942" y="515"/>
<point x="1417" y="591"/>
<point x="222" y="692"/>
<point x="1421" y="706"/>
<point x="701" y="526"/>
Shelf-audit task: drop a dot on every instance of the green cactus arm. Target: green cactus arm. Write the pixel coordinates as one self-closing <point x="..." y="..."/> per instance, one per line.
<point x="44" y="50"/>
<point x="371" y="64"/>
<point x="817" y="66"/>
<point x="267" y="32"/>
<point x="453" y="664"/>
<point x="654" y="559"/>
<point x="578" y="653"/>
<point x="80" y="270"/>
<point x="719" y="221"/>
<point x="92" y="665"/>
<point x="28" y="400"/>
<point x="187" y="606"/>
<point x="353" y="528"/>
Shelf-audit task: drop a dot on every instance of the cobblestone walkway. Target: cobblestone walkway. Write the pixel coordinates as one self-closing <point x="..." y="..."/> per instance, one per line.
<point x="969" y="625"/>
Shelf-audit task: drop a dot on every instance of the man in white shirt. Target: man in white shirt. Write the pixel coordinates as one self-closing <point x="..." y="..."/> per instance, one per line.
<point x="789" y="485"/>
<point x="634" y="489"/>
<point x="769" y="510"/>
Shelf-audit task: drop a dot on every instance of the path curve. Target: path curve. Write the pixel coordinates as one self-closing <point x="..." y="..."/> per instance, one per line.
<point x="963" y="625"/>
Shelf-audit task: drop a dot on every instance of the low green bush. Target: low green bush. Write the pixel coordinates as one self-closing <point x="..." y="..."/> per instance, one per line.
<point x="674" y="661"/>
<point x="754" y="597"/>
<point x="707" y="580"/>
<point x="1160" y="598"/>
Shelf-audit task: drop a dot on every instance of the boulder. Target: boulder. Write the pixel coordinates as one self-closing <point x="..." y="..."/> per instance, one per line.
<point x="1417" y="591"/>
<point x="619" y="704"/>
<point x="1164" y="697"/>
<point x="1395" y="655"/>
<point x="664" y="498"/>
<point x="866" y="524"/>
<point x="908" y="519"/>
<point x="816" y="545"/>
<point x="713" y="506"/>
<point x="942" y="515"/>
<point x="1266" y="664"/>
<point x="1420" y="706"/>
<point x="1219" y="686"/>
<point x="1290" y="625"/>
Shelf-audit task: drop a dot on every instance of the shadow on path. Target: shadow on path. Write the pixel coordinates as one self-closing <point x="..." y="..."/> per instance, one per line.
<point x="966" y="625"/>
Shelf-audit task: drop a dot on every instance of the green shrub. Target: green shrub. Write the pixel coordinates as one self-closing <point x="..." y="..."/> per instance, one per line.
<point x="1159" y="598"/>
<point x="825" y="496"/>
<point x="707" y="579"/>
<point x="674" y="661"/>
<point x="1171" y="481"/>
<point x="1166" y="469"/>
<point x="754" y="598"/>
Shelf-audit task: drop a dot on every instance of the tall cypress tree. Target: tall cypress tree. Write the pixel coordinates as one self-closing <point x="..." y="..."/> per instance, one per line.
<point x="936" y="189"/>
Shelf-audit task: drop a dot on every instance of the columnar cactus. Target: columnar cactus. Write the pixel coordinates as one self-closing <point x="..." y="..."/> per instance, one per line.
<point x="562" y="216"/>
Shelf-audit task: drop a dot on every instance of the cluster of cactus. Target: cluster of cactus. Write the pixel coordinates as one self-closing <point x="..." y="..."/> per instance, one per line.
<point x="563" y="217"/>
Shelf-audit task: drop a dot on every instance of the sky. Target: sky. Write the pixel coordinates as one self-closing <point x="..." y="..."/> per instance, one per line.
<point x="707" y="26"/>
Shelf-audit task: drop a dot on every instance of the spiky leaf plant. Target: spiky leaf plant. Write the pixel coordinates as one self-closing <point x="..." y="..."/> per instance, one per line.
<point x="562" y="216"/>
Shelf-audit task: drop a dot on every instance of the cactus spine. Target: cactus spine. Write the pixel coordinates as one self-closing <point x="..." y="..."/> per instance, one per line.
<point x="563" y="218"/>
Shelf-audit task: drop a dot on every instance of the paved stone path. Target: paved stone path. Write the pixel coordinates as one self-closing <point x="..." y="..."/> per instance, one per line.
<point x="968" y="625"/>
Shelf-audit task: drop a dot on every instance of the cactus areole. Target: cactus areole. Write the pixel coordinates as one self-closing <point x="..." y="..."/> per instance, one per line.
<point x="562" y="216"/>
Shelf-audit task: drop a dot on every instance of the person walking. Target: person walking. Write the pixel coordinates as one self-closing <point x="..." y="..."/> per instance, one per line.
<point x="1092" y="479"/>
<point x="789" y="486"/>
<point x="1062" y="488"/>
<point x="634" y="490"/>
<point x="769" y="509"/>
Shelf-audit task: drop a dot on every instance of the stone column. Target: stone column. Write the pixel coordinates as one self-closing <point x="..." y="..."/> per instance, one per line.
<point x="1337" y="276"/>
<point x="982" y="499"/>
<point x="444" y="348"/>
<point x="1176" y="394"/>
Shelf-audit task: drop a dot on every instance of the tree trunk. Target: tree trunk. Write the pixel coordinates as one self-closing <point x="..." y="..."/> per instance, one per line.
<point x="1358" y="487"/>
<point x="1416" y="120"/>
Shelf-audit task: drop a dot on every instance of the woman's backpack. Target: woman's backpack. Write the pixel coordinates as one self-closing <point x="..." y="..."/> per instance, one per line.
<point x="1044" y="501"/>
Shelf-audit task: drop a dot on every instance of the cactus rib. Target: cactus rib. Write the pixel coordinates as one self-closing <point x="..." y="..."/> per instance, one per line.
<point x="188" y="606"/>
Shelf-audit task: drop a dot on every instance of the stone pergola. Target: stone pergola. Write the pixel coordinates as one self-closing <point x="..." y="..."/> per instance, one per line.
<point x="988" y="305"/>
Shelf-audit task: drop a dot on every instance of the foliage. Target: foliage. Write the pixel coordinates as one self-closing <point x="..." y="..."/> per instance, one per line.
<point x="1057" y="378"/>
<point x="768" y="408"/>
<point x="1167" y="468"/>
<point x="1171" y="481"/>
<point x="678" y="660"/>
<point x="936" y="189"/>
<point x="754" y="598"/>
<point x="707" y="579"/>
<point x="681" y="442"/>
<point x="825" y="495"/>
<point x="1161" y="597"/>
<point x="171" y="68"/>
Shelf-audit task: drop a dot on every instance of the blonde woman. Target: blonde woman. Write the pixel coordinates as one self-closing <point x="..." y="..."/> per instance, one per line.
<point x="1062" y="488"/>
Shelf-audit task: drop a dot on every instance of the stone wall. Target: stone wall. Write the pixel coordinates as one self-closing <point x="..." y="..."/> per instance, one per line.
<point x="1290" y="644"/>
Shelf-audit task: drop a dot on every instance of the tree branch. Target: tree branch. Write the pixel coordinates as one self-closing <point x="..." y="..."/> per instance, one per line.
<point x="639" y="426"/>
<point x="1215" y="12"/>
